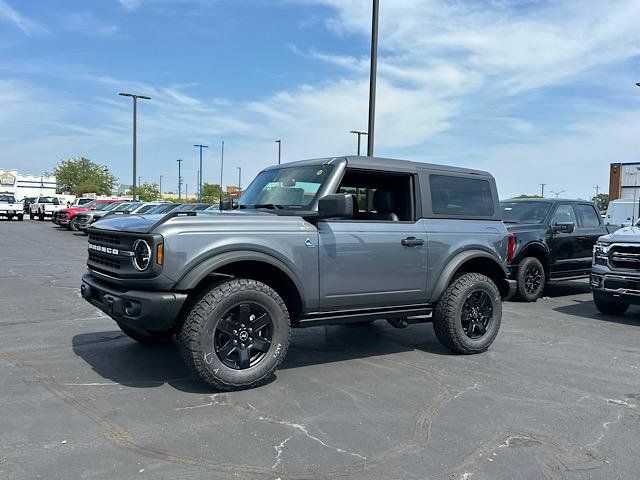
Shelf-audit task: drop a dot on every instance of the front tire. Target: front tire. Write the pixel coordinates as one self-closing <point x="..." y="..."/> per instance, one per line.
<point x="32" y="216"/>
<point x="73" y="226"/>
<point x="236" y="335"/>
<point x="609" y="306"/>
<point x="146" y="338"/>
<point x="20" y="218"/>
<point x="531" y="279"/>
<point x="467" y="318"/>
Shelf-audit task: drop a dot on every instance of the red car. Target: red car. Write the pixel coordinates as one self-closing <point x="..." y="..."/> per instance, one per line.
<point x="67" y="217"/>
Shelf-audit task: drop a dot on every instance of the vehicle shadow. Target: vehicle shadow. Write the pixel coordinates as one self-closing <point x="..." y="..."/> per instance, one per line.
<point x="586" y="309"/>
<point x="119" y="359"/>
<point x="563" y="289"/>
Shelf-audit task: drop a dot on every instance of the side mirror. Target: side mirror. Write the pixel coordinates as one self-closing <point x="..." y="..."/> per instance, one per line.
<point x="337" y="205"/>
<point x="226" y="204"/>
<point x="564" y="227"/>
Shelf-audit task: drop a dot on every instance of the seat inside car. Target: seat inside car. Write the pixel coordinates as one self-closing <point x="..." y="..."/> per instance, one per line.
<point x="385" y="206"/>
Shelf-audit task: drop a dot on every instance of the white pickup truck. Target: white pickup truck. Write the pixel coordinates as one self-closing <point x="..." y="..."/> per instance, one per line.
<point x="9" y="207"/>
<point x="45" y="207"/>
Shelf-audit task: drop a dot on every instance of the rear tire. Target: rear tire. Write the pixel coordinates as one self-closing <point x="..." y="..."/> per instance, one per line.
<point x="609" y="306"/>
<point x="32" y="216"/>
<point x="467" y="318"/>
<point x="146" y="338"/>
<point x="9" y="217"/>
<point x="236" y="335"/>
<point x="531" y="279"/>
<point x="20" y="218"/>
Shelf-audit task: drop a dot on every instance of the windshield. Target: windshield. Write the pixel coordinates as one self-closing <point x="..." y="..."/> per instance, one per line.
<point x="99" y="206"/>
<point x="111" y="206"/>
<point x="7" y="198"/>
<point x="126" y="207"/>
<point x="525" y="212"/>
<point x="285" y="188"/>
<point x="163" y="208"/>
<point x="53" y="200"/>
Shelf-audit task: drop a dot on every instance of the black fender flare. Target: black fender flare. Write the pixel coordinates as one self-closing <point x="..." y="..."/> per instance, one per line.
<point x="450" y="269"/>
<point x="193" y="277"/>
<point x="535" y="244"/>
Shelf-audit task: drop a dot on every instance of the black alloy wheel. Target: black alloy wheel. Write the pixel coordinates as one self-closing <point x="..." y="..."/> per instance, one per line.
<point x="533" y="279"/>
<point x="477" y="313"/>
<point x="243" y="336"/>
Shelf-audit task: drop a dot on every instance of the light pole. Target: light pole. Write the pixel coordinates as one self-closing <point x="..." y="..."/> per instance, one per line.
<point x="239" y="181"/>
<point x="135" y="108"/>
<point x="557" y="194"/>
<point x="160" y="185"/>
<point x="200" y="174"/>
<point x="542" y="185"/>
<point x="221" y="171"/>
<point x="279" y="142"/>
<point x="179" y="179"/>
<point x="372" y="76"/>
<point x="359" y="134"/>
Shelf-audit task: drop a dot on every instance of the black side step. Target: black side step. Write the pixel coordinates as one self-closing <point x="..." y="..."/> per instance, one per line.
<point x="352" y="316"/>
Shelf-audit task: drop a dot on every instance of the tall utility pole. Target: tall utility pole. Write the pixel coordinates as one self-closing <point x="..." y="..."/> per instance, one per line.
<point x="239" y="180"/>
<point x="186" y="192"/>
<point x="542" y="185"/>
<point x="198" y="185"/>
<point x="179" y="179"/>
<point x="161" y="185"/>
<point x="135" y="108"/>
<point x="279" y="142"/>
<point x="359" y="134"/>
<point x="372" y="77"/>
<point x="200" y="174"/>
<point x="221" y="171"/>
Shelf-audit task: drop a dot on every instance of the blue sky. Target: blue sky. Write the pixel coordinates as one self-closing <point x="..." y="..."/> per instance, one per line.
<point x="533" y="91"/>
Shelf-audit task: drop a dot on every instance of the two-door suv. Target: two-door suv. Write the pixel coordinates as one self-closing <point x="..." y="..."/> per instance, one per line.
<point x="316" y="242"/>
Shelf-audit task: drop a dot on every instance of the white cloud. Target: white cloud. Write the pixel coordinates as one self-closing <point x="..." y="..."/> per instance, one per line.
<point x="25" y="24"/>
<point x="130" y="4"/>
<point x="88" y="24"/>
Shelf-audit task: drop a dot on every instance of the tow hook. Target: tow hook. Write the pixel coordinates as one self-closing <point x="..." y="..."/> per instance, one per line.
<point x="398" y="322"/>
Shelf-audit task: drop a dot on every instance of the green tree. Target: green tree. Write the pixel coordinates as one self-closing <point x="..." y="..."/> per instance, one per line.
<point x="601" y="200"/>
<point x="81" y="175"/>
<point x="147" y="192"/>
<point x="524" y="195"/>
<point x="211" y="193"/>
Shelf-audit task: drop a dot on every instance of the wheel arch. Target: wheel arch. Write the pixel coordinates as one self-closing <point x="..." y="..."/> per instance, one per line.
<point x="537" y="250"/>
<point x="254" y="265"/>
<point x="472" y="261"/>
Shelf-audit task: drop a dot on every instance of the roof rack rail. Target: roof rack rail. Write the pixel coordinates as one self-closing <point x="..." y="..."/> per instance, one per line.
<point x="168" y="217"/>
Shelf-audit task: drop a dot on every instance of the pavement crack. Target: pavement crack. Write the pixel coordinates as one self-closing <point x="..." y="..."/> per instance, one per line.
<point x="279" y="448"/>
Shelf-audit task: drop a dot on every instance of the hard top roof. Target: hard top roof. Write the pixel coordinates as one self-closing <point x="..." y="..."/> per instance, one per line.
<point x="378" y="163"/>
<point x="545" y="199"/>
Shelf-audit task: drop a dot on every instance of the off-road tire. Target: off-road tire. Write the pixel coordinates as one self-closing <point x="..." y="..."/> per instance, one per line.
<point x="20" y="218"/>
<point x="41" y="217"/>
<point x="524" y="268"/>
<point x="203" y="318"/>
<point x="609" y="306"/>
<point x="73" y="226"/>
<point x="32" y="216"/>
<point x="447" y="316"/>
<point x="146" y="338"/>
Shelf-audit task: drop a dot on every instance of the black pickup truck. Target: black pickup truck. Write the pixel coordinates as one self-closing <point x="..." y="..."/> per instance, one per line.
<point x="552" y="239"/>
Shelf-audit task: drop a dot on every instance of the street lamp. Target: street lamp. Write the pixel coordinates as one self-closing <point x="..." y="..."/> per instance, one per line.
<point x="135" y="108"/>
<point x="359" y="134"/>
<point x="372" y="76"/>
<point x="239" y="181"/>
<point x="279" y="142"/>
<point x="557" y="194"/>
<point x="179" y="179"/>
<point x="200" y="172"/>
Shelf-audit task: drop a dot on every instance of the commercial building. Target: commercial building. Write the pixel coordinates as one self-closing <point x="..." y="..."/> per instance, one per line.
<point x="22" y="185"/>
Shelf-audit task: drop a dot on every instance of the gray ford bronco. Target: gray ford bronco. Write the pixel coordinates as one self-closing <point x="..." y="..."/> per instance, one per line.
<point x="317" y="242"/>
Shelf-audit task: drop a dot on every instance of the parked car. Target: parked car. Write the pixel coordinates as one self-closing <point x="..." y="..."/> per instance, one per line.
<point x="67" y="217"/>
<point x="622" y="213"/>
<point x="44" y="207"/>
<point x="166" y="208"/>
<point x="615" y="274"/>
<point x="147" y="207"/>
<point x="84" y="219"/>
<point x="9" y="207"/>
<point x="317" y="242"/>
<point x="554" y="240"/>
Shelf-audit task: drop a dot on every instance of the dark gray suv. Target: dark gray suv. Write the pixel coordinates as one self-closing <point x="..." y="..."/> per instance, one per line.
<point x="317" y="242"/>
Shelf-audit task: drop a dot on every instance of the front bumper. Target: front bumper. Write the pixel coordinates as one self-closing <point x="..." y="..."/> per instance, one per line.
<point x="140" y="310"/>
<point x="620" y="285"/>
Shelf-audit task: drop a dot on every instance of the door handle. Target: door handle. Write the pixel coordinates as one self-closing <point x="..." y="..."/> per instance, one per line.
<point x="582" y="238"/>
<point x="412" y="242"/>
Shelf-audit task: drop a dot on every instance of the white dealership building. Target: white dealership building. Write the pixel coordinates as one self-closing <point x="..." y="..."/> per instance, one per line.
<point x="23" y="185"/>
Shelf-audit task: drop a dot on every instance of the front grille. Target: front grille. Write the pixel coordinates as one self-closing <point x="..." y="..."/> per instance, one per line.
<point x="104" y="260"/>
<point x="625" y="256"/>
<point x="104" y="239"/>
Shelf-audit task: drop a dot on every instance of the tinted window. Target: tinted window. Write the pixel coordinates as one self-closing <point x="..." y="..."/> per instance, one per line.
<point x="564" y="214"/>
<point x="524" y="211"/>
<point x="588" y="216"/>
<point x="7" y="198"/>
<point x="53" y="200"/>
<point x="461" y="196"/>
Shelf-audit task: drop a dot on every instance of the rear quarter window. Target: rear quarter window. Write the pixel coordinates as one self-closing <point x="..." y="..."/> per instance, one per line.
<point x="461" y="196"/>
<point x="588" y="216"/>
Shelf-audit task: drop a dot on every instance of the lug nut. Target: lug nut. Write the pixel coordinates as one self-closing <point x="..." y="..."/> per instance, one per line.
<point x="252" y="318"/>
<point x="250" y="329"/>
<point x="235" y="342"/>
<point x="242" y="345"/>
<point x="235" y="332"/>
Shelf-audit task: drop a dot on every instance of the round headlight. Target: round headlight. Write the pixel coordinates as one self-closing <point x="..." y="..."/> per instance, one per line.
<point x="142" y="254"/>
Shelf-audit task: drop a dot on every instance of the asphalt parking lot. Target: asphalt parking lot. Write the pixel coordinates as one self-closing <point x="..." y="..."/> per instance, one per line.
<point x="556" y="397"/>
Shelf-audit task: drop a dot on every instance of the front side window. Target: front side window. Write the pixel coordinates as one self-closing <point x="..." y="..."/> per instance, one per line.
<point x="588" y="216"/>
<point x="290" y="188"/>
<point x="461" y="196"/>
<point x="564" y="214"/>
<point x="7" y="198"/>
